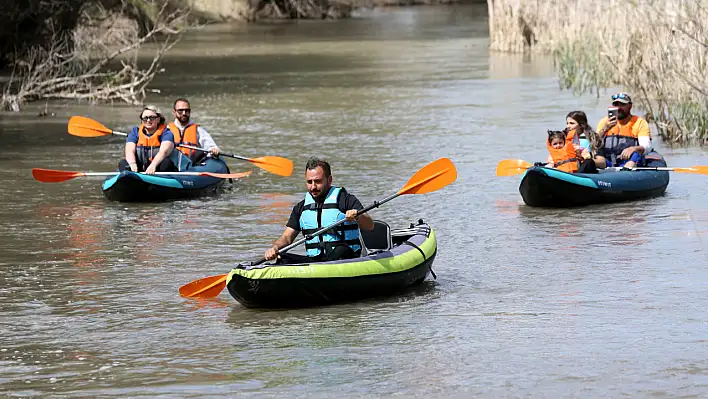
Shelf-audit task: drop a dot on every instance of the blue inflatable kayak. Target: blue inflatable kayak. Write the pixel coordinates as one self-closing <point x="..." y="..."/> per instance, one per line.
<point x="139" y="187"/>
<point x="551" y="188"/>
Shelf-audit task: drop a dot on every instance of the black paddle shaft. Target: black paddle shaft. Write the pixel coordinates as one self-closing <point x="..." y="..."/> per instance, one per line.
<point x="221" y="154"/>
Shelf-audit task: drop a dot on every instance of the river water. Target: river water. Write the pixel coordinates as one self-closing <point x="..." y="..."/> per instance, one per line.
<point x="603" y="301"/>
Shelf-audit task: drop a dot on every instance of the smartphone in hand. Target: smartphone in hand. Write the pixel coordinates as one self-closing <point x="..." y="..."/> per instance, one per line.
<point x="612" y="112"/>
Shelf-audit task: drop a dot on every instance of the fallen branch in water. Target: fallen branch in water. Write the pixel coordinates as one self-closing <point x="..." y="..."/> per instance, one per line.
<point x="95" y="69"/>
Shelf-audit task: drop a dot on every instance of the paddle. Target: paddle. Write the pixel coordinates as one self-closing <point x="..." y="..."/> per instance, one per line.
<point x="87" y="127"/>
<point x="56" y="176"/>
<point x="432" y="177"/>
<point x="277" y="165"/>
<point x="511" y="167"/>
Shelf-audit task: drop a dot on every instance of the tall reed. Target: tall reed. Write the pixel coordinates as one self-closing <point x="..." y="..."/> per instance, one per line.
<point x="656" y="49"/>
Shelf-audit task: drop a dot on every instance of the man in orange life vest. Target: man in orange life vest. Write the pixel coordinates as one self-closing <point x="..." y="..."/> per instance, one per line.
<point x="189" y="133"/>
<point x="626" y="136"/>
<point x="149" y="146"/>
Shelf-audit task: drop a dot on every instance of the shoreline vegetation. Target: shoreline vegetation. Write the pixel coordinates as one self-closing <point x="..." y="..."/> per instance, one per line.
<point x="87" y="50"/>
<point x="657" y="51"/>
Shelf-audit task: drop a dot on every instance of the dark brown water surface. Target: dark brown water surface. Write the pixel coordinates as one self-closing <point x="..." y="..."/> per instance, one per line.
<point x="603" y="301"/>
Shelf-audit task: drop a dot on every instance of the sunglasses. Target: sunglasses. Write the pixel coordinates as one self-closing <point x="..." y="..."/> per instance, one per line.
<point x="183" y="110"/>
<point x="621" y="96"/>
<point x="149" y="118"/>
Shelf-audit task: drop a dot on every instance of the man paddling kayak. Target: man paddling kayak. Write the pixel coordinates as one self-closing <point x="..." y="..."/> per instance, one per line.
<point x="323" y="205"/>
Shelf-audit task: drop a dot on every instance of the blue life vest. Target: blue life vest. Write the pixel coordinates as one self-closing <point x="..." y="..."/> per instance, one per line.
<point x="317" y="215"/>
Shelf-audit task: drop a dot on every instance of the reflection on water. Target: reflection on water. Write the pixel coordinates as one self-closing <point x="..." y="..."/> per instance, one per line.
<point x="603" y="300"/>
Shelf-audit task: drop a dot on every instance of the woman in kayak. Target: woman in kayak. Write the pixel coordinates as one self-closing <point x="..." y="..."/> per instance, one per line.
<point x="582" y="135"/>
<point x="564" y="156"/>
<point x="150" y="146"/>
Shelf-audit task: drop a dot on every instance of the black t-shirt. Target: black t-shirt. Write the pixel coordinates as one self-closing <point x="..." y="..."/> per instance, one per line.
<point x="345" y="201"/>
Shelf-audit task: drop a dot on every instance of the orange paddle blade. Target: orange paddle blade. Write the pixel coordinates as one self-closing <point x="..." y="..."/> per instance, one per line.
<point x="87" y="127"/>
<point x="54" y="176"/>
<point x="698" y="169"/>
<point x="277" y="165"/>
<point x="431" y="177"/>
<point x="225" y="175"/>
<point x="207" y="287"/>
<point x="511" y="167"/>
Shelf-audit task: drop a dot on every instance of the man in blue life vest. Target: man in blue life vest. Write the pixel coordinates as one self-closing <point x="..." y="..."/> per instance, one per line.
<point x="323" y="205"/>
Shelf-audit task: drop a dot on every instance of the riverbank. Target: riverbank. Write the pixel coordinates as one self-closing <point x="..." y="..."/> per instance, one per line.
<point x="661" y="61"/>
<point x="243" y="10"/>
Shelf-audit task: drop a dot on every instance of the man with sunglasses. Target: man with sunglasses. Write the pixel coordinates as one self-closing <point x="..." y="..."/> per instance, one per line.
<point x="626" y="137"/>
<point x="189" y="133"/>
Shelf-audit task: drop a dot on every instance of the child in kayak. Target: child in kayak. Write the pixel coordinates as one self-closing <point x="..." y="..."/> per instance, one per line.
<point x="563" y="155"/>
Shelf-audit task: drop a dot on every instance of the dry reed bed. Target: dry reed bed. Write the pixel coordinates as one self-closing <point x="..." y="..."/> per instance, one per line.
<point x="657" y="50"/>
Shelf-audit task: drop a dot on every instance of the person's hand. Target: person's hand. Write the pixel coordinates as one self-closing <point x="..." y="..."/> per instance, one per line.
<point x="585" y="153"/>
<point x="630" y="165"/>
<point x="351" y="215"/>
<point x="150" y="170"/>
<point x="215" y="151"/>
<point x="611" y="122"/>
<point x="549" y="160"/>
<point x="272" y="253"/>
<point x="133" y="167"/>
<point x="627" y="152"/>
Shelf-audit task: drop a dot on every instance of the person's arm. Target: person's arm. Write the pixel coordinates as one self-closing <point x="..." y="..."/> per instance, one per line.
<point x="284" y="240"/>
<point x="206" y="142"/>
<point x="643" y="135"/>
<point x="131" y="143"/>
<point x="130" y="156"/>
<point x="605" y="125"/>
<point x="352" y="206"/>
<point x="166" y="147"/>
<point x="292" y="229"/>
<point x="364" y="220"/>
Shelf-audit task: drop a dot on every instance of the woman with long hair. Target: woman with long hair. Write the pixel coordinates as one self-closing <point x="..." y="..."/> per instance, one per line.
<point x="589" y="139"/>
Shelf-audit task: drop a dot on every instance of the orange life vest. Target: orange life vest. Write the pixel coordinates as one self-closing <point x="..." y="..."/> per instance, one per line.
<point x="572" y="137"/>
<point x="188" y="136"/>
<point x="148" y="146"/>
<point x="564" y="158"/>
<point x="619" y="138"/>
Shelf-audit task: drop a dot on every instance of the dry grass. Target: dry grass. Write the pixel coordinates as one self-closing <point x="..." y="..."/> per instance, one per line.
<point x="657" y="50"/>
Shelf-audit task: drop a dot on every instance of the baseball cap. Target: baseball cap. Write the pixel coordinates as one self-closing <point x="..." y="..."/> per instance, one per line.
<point x="622" y="97"/>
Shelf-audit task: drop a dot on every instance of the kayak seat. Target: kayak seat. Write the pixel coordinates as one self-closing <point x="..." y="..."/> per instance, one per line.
<point x="376" y="240"/>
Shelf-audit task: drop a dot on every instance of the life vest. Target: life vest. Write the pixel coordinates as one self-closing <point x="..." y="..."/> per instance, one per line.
<point x="147" y="146"/>
<point x="572" y="137"/>
<point x="565" y="158"/>
<point x="317" y="215"/>
<point x="188" y="136"/>
<point x="618" y="139"/>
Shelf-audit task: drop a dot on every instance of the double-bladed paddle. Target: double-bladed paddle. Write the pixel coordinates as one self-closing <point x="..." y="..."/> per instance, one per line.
<point x="511" y="167"/>
<point x="432" y="177"/>
<point x="87" y="127"/>
<point x="56" y="176"/>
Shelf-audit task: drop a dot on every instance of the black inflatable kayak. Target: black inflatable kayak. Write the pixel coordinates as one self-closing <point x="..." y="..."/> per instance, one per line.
<point x="407" y="263"/>
<point x="138" y="187"/>
<point x="547" y="187"/>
